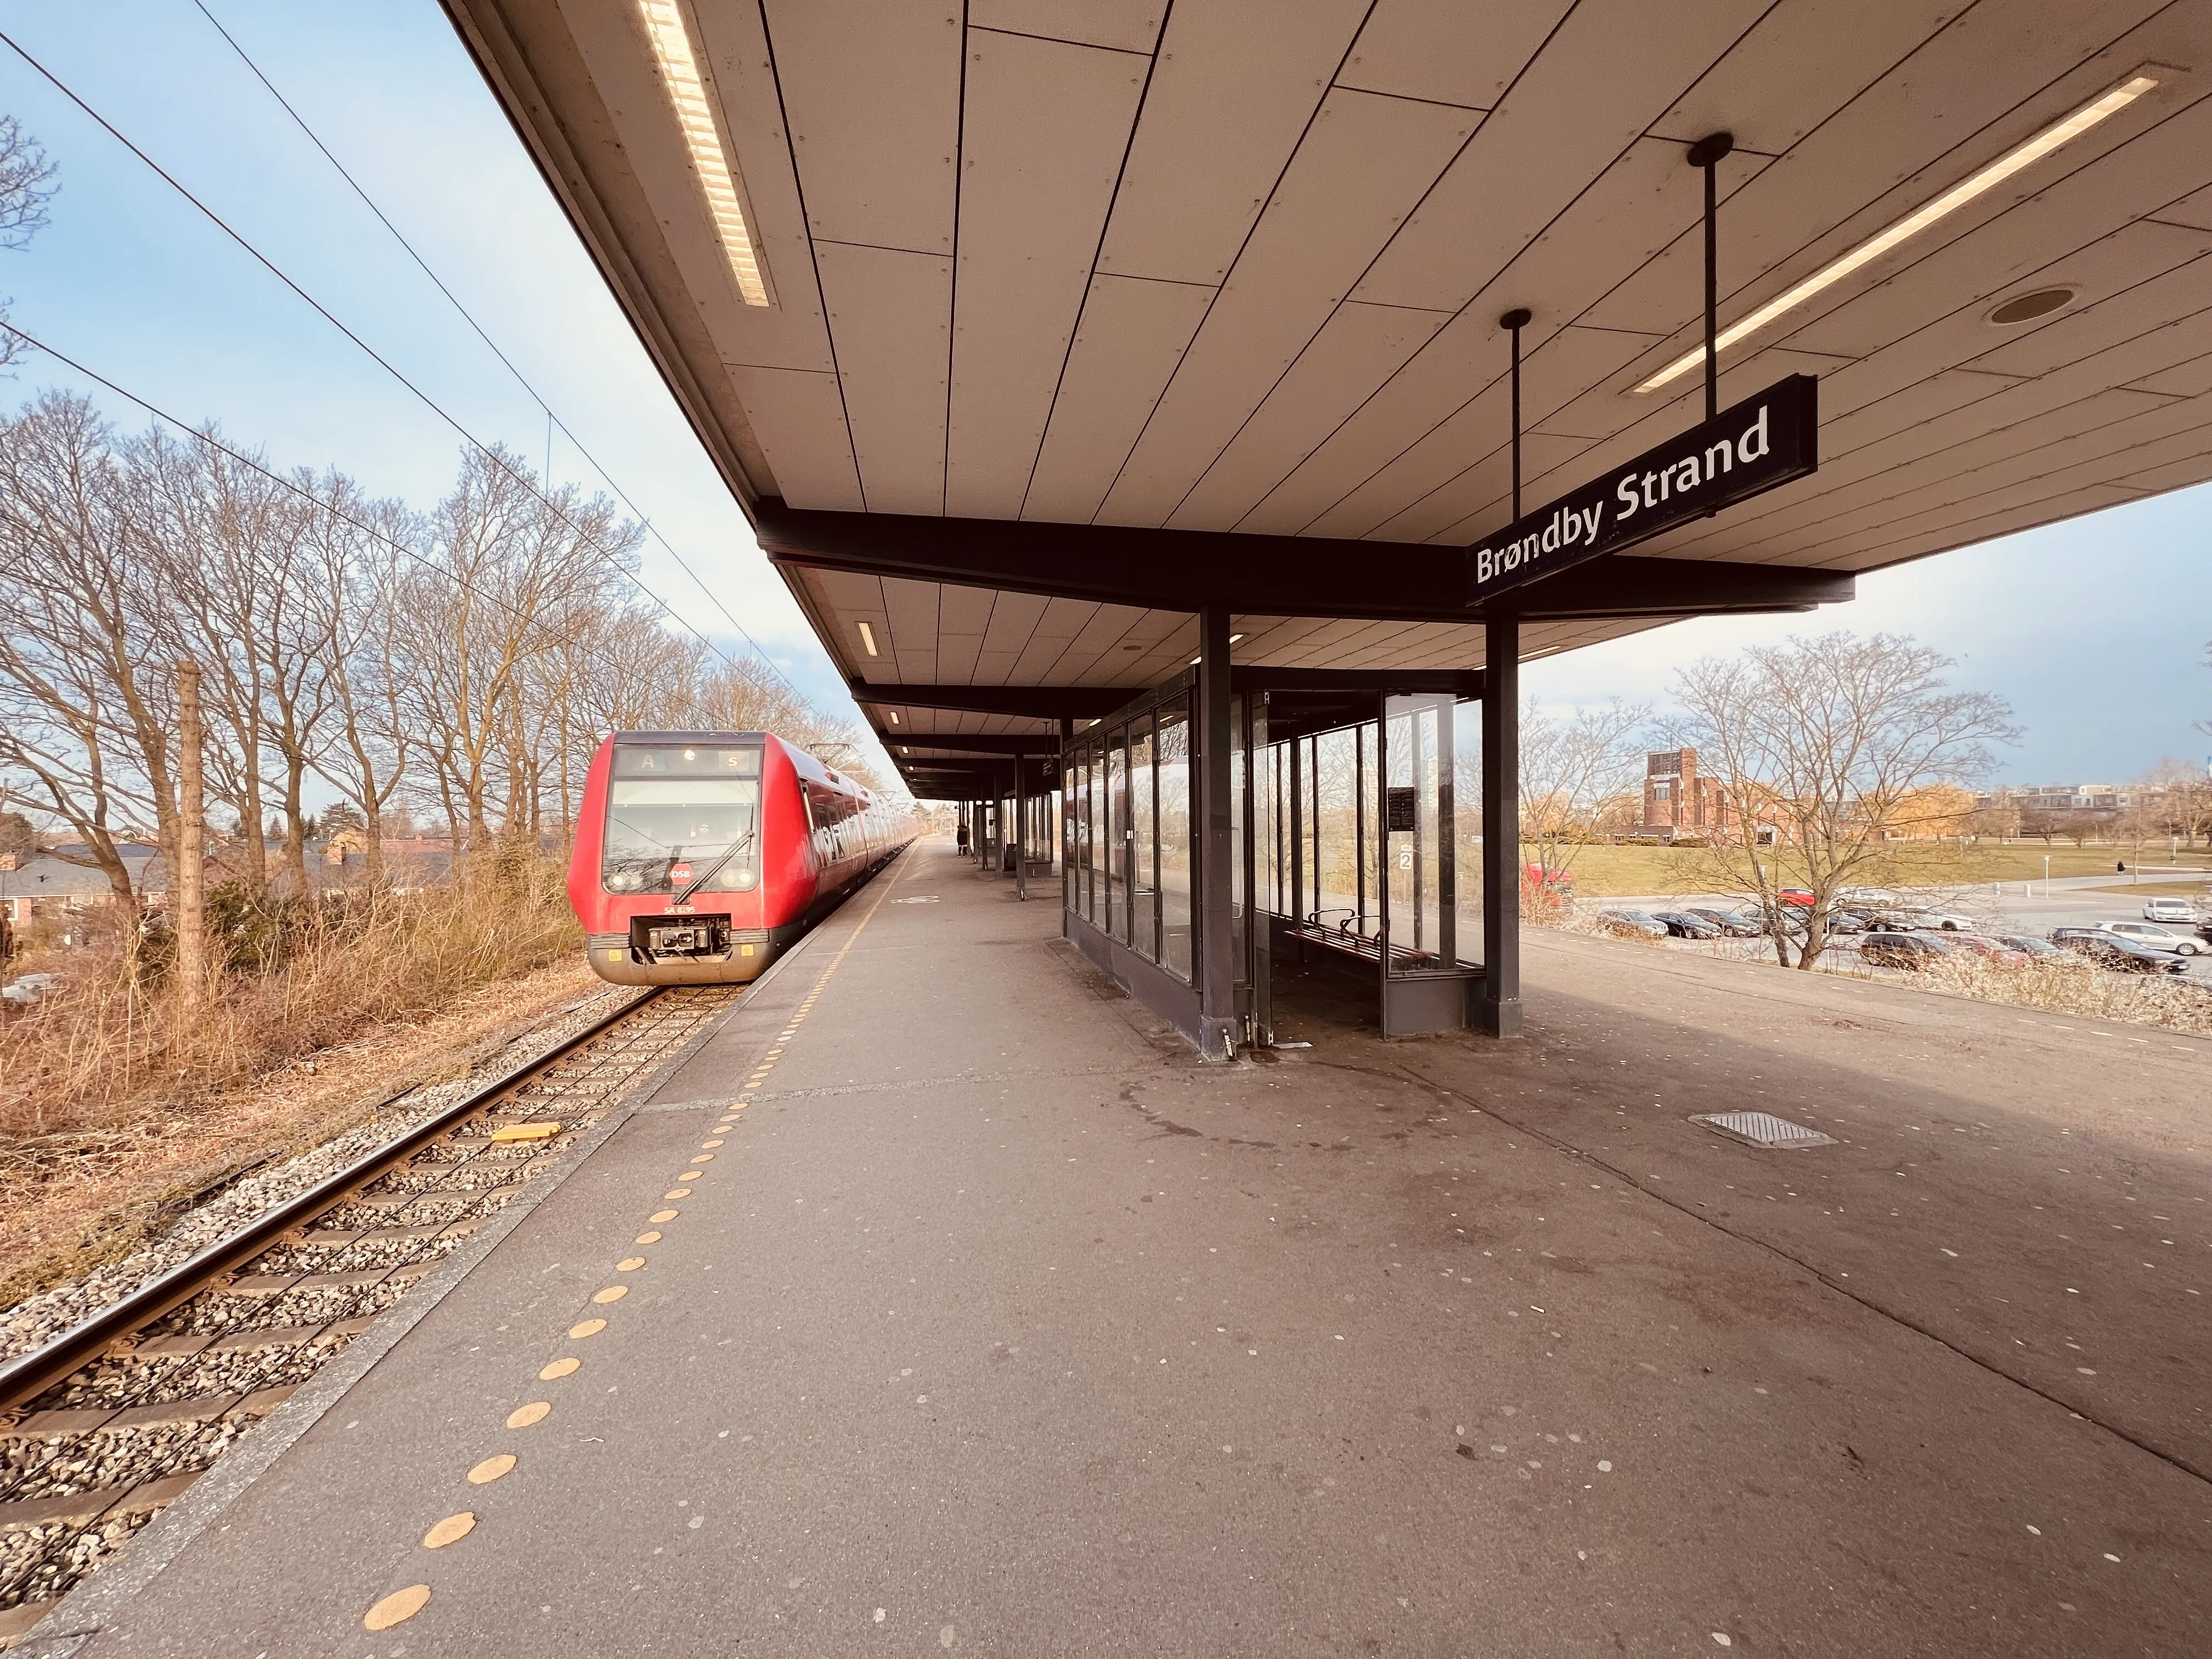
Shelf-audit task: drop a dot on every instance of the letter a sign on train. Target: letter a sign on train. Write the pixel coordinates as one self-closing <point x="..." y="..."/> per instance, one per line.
<point x="1763" y="441"/>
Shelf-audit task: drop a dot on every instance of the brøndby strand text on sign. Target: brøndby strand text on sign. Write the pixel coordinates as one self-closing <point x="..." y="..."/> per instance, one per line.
<point x="1763" y="441"/>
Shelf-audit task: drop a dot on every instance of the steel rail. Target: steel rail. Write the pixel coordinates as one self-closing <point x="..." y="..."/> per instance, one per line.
<point x="30" y="1375"/>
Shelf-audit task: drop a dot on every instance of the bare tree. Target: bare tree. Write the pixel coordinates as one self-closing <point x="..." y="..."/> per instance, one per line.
<point x="1824" y="742"/>
<point x="360" y="580"/>
<point x="27" y="185"/>
<point x="84" y="711"/>
<point x="1570" y="767"/>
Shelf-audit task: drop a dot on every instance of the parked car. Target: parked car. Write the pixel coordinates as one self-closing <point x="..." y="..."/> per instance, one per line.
<point x="1867" y="898"/>
<point x="2111" y="950"/>
<point x="1555" y="884"/>
<point x="1914" y="950"/>
<point x="28" y="988"/>
<point x="1943" y="921"/>
<point x="1850" y="921"/>
<point x="1989" y="949"/>
<point x="1683" y="925"/>
<point x="2034" y="949"/>
<point x="2170" y="909"/>
<point x="2152" y="937"/>
<point x="1633" y="924"/>
<point x="1796" y="896"/>
<point x="1736" y="924"/>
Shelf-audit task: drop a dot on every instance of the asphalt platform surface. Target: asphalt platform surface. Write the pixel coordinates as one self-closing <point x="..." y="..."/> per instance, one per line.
<point x="1000" y="1327"/>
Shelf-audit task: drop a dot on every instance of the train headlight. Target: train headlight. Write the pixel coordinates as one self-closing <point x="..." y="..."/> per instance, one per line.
<point x="624" y="881"/>
<point x="745" y="881"/>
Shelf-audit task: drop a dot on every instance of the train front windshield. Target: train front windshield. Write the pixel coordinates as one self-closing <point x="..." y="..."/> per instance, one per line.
<point x="675" y="813"/>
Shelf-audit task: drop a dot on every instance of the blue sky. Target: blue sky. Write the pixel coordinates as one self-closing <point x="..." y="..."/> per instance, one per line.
<point x="2094" y="630"/>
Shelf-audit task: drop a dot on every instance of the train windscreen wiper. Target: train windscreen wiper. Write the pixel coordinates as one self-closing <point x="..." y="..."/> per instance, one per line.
<point x="714" y="869"/>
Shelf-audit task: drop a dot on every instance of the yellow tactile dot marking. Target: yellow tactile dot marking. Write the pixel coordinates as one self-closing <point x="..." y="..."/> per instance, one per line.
<point x="398" y="1608"/>
<point x="663" y="1215"/>
<point x="451" y="1530"/>
<point x="703" y="1157"/>
<point x="612" y="1293"/>
<point x="586" y="1328"/>
<point x="629" y="1264"/>
<point x="523" y="1417"/>
<point x="491" y="1468"/>
<point x="680" y="1192"/>
<point x="560" y="1368"/>
<point x="710" y="1145"/>
<point x="647" y="1238"/>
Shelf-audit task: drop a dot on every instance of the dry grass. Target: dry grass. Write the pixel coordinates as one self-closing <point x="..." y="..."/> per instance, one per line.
<point x="113" y="1113"/>
<point x="2172" y="1004"/>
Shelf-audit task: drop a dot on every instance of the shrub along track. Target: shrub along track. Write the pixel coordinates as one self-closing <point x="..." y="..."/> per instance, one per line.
<point x="106" y="1424"/>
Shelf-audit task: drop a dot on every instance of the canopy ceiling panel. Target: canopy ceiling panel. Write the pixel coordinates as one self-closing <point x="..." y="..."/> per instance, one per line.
<point x="1236" y="267"/>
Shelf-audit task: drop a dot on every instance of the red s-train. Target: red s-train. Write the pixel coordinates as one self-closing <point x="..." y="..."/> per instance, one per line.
<point x="701" y="856"/>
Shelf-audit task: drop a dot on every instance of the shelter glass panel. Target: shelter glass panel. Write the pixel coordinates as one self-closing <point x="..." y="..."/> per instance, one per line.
<point x="1467" y="810"/>
<point x="1410" y="809"/>
<point x="1173" y="799"/>
<point x="1116" y="921"/>
<point x="1339" y="899"/>
<point x="1143" y="846"/>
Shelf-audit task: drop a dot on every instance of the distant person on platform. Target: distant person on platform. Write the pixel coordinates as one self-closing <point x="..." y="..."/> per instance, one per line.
<point x="2124" y="866"/>
<point x="960" y="837"/>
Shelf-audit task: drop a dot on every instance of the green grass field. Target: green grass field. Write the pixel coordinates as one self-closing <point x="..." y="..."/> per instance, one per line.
<point x="1608" y="871"/>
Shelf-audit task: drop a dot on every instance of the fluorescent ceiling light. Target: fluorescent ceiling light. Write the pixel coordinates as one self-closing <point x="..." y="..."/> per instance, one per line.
<point x="868" y="639"/>
<point x="895" y="720"/>
<point x="689" y="96"/>
<point x="2089" y="115"/>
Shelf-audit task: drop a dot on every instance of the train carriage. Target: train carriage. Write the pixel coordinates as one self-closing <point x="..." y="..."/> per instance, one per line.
<point x="701" y="856"/>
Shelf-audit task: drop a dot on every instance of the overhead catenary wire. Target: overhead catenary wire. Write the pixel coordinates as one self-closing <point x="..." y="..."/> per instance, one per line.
<point x="553" y="421"/>
<point x="424" y="398"/>
<point x="199" y="435"/>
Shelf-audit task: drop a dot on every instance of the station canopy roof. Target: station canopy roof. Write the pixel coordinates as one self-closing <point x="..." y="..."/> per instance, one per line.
<point x="1022" y="327"/>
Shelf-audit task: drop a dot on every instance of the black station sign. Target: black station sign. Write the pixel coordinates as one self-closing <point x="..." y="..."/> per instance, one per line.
<point x="1763" y="441"/>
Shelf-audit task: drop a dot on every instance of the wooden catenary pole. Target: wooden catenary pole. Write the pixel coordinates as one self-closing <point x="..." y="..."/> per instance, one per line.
<point x="188" y="880"/>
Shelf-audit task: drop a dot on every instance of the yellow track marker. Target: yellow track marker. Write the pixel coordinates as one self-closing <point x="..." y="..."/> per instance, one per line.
<point x="710" y="1145"/>
<point x="559" y="1369"/>
<point x="612" y="1293"/>
<point x="526" y="1131"/>
<point x="398" y="1608"/>
<point x="588" y="1327"/>
<point x="663" y="1215"/>
<point x="629" y="1264"/>
<point x="451" y="1530"/>
<point x="703" y="1157"/>
<point x="491" y="1468"/>
<point x="681" y="1192"/>
<point x="647" y="1238"/>
<point x="523" y="1417"/>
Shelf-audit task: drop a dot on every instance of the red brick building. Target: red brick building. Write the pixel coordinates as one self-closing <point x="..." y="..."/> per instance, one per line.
<point x="1678" y="800"/>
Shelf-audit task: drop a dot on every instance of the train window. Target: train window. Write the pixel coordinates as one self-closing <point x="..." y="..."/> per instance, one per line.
<point x="663" y="831"/>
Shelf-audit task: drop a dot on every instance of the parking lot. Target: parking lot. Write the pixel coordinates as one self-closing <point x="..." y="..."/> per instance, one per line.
<point x="2030" y="908"/>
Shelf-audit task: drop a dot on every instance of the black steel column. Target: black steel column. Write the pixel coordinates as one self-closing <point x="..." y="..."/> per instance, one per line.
<point x="1217" y="956"/>
<point x="1499" y="1014"/>
<point x="1021" y="826"/>
<point x="1708" y="153"/>
<point x="1513" y="322"/>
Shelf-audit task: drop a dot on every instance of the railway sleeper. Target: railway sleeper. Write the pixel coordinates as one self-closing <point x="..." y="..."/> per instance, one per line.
<point x="263" y="1286"/>
<point x="72" y="1423"/>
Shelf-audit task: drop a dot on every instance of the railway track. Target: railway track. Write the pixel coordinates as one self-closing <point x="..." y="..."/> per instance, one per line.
<point x="108" y="1423"/>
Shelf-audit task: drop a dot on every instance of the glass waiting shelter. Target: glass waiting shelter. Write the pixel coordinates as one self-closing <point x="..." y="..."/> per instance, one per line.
<point x="1346" y="811"/>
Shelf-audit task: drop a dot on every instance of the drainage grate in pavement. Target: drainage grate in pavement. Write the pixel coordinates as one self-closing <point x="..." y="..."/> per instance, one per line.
<point x="1763" y="1129"/>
